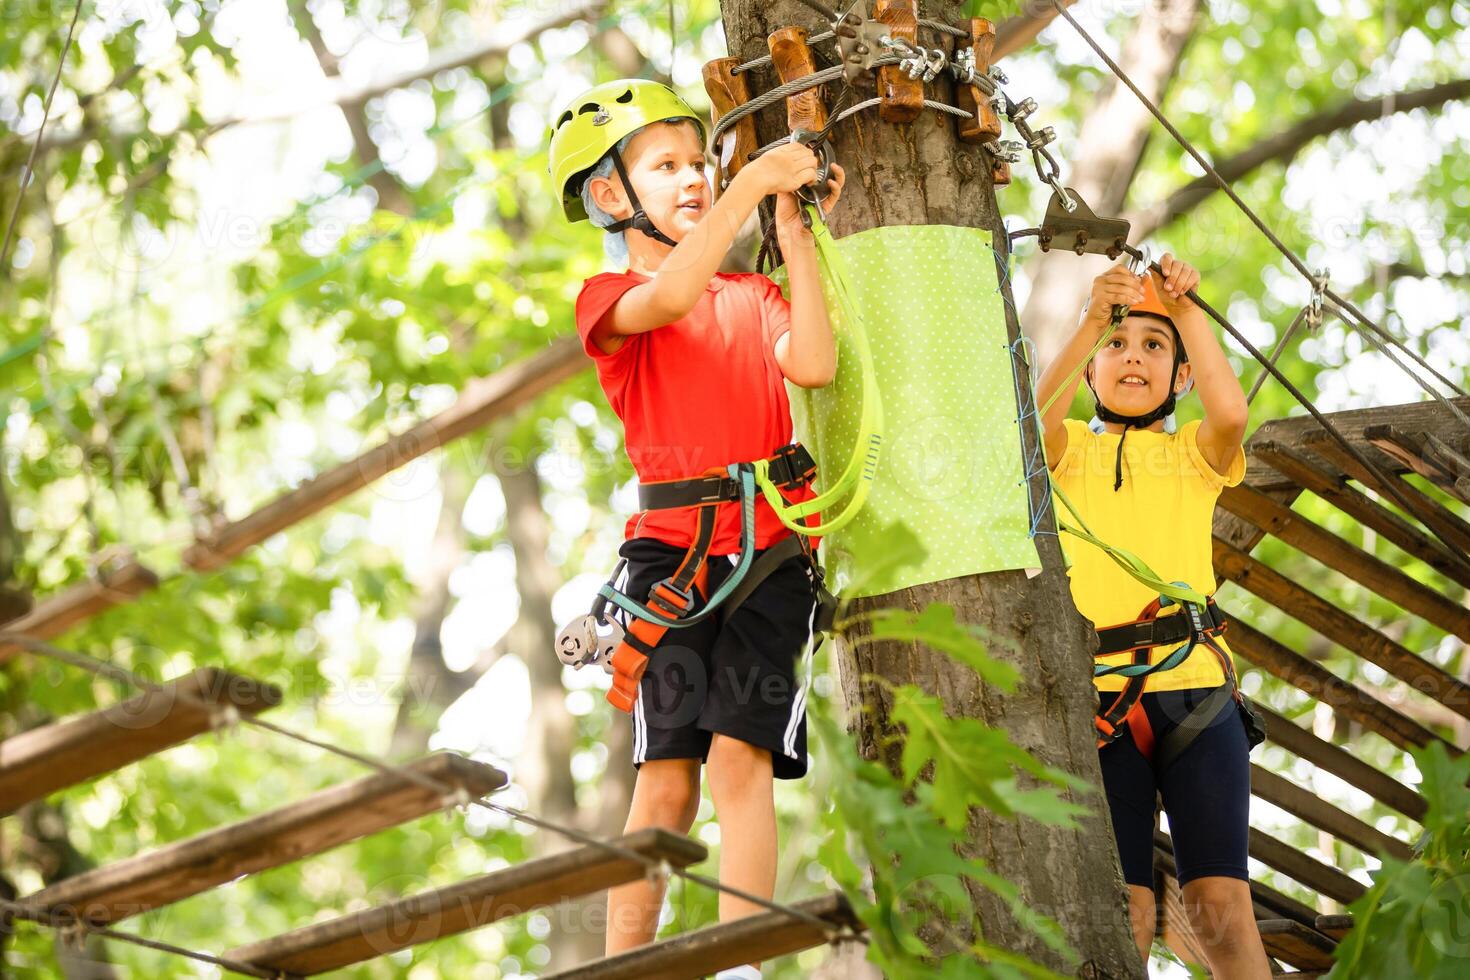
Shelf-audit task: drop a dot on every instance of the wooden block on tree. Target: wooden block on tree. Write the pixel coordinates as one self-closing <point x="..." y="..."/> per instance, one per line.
<point x="903" y="97"/>
<point x="1302" y="604"/>
<point x="984" y="124"/>
<point x="481" y="401"/>
<point x="1343" y="764"/>
<point x="1331" y="487"/>
<point x="1334" y="926"/>
<point x="726" y="90"/>
<point x="315" y="824"/>
<point x="696" y="954"/>
<point x="73" y="606"/>
<point x="792" y="59"/>
<point x="1310" y="538"/>
<point x="43" y="760"/>
<point x="470" y="904"/>
<point x="1307" y="806"/>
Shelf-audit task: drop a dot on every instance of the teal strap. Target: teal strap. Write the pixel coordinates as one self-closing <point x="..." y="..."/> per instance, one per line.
<point x="744" y="474"/>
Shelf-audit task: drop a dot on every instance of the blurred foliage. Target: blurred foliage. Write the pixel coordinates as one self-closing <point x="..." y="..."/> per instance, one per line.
<point x="239" y="290"/>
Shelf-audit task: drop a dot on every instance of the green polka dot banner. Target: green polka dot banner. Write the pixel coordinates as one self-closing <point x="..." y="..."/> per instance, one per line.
<point x="951" y="467"/>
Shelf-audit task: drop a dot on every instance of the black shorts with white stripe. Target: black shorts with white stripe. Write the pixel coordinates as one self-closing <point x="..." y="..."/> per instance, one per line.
<point x="746" y="675"/>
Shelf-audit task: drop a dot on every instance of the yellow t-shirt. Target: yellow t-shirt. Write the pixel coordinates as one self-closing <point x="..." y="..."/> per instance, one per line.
<point x="1162" y="513"/>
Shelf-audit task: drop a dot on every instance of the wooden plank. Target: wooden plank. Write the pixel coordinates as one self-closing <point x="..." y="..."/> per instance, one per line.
<point x="1332" y="488"/>
<point x="1424" y="676"/>
<point x="700" y="953"/>
<point x="1346" y="699"/>
<point x="43" y="760"/>
<point x="1343" y="764"/>
<point x="1269" y="902"/>
<point x="1295" y="944"/>
<point x="56" y="614"/>
<point x="315" y="824"/>
<point x="1334" y="926"/>
<point x="1304" y="868"/>
<point x="1305" y="805"/>
<point x="1426" y="416"/>
<point x="481" y="401"/>
<point x="1448" y="527"/>
<point x="1368" y="570"/>
<point x="1175" y="930"/>
<point x="1434" y="460"/>
<point x="466" y="905"/>
<point x="1239" y="531"/>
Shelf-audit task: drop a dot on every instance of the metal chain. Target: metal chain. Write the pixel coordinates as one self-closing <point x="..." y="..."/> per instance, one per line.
<point x="451" y="795"/>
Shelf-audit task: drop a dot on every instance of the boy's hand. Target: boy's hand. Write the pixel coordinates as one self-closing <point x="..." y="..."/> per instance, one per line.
<point x="1179" y="278"/>
<point x="1116" y="287"/>
<point x="787" y="167"/>
<point x="788" y="205"/>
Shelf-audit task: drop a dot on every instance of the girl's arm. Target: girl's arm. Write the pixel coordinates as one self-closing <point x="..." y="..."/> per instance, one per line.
<point x="1115" y="287"/>
<point x="806" y="353"/>
<point x="1226" y="413"/>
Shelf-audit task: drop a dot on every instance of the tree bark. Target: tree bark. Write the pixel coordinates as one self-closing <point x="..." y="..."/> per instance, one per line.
<point x="1102" y="164"/>
<point x="918" y="173"/>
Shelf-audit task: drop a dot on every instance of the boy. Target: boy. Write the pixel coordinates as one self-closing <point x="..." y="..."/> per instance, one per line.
<point x="1143" y="486"/>
<point x="694" y="361"/>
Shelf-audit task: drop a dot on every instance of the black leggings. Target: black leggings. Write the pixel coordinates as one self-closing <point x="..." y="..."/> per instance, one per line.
<point x="1206" y="791"/>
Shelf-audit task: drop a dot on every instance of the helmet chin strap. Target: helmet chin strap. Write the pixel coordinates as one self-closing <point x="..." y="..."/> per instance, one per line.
<point x="1163" y="411"/>
<point x="640" y="220"/>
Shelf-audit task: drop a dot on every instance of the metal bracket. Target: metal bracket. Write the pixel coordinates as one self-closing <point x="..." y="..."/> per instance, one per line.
<point x="1080" y="230"/>
<point x="860" y="42"/>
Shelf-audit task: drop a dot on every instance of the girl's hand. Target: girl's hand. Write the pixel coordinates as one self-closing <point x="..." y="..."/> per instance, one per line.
<point x="1117" y="286"/>
<point x="1179" y="278"/>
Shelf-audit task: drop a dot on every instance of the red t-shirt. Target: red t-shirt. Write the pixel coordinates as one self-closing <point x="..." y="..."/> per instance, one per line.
<point x="702" y="391"/>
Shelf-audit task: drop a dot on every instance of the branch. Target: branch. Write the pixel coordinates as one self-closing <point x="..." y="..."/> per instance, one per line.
<point x="1287" y="144"/>
<point x="497" y="44"/>
<point x="1021" y="30"/>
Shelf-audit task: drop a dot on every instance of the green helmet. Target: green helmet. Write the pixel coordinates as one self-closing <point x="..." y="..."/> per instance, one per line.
<point x="593" y="123"/>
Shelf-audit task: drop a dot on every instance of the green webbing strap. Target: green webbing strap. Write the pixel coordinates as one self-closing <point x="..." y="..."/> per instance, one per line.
<point x="862" y="467"/>
<point x="1071" y="378"/>
<point x="744" y="474"/>
<point x="1126" y="560"/>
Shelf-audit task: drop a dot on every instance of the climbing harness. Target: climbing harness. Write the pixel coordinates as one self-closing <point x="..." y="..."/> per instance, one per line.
<point x="1196" y="624"/>
<point x="597" y="637"/>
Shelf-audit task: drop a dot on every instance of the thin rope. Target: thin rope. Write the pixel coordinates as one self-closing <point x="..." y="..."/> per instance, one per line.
<point x="450" y="794"/>
<point x="1255" y="219"/>
<point x="67" y="925"/>
<point x="1275" y="354"/>
<point x="27" y="173"/>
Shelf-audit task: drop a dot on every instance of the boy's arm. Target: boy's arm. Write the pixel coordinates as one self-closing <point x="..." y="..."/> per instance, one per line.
<point x="1226" y="413"/>
<point x="686" y="273"/>
<point x="807" y="353"/>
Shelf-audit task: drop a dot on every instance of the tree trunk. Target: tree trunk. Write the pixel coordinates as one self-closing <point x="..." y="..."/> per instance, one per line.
<point x="918" y="173"/>
<point x="1102" y="165"/>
